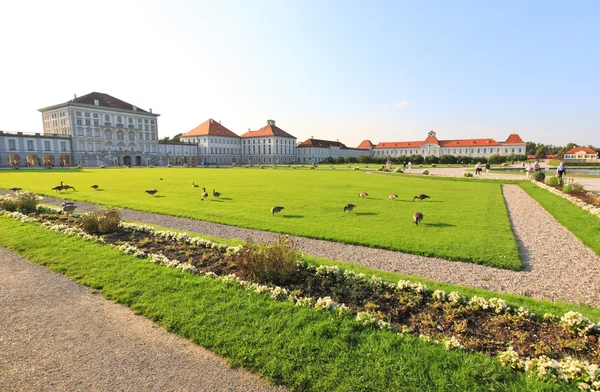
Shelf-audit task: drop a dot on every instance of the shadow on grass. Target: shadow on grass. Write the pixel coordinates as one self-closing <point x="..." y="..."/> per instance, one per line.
<point x="292" y="216"/>
<point x="365" y="213"/>
<point x="158" y="196"/>
<point x="225" y="198"/>
<point x="438" y="224"/>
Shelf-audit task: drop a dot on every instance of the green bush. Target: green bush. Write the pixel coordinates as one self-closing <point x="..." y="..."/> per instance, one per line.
<point x="8" y="203"/>
<point x="102" y="222"/>
<point x="425" y="172"/>
<point x="572" y="188"/>
<point x="268" y="263"/>
<point x="552" y="181"/>
<point x="539" y="176"/>
<point x="468" y="174"/>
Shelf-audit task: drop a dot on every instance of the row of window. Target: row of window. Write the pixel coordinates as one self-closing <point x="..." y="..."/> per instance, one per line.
<point x="12" y="145"/>
<point x="448" y="151"/>
<point x="119" y="119"/>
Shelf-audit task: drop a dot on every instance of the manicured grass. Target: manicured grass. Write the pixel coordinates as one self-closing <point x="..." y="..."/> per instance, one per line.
<point x="297" y="347"/>
<point x="582" y="224"/>
<point x="456" y="217"/>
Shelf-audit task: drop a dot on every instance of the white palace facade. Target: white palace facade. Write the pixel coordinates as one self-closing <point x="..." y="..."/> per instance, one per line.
<point x="100" y="130"/>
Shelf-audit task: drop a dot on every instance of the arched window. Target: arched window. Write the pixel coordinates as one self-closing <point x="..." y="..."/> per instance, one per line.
<point x="106" y="117"/>
<point x="120" y="136"/>
<point x="131" y="136"/>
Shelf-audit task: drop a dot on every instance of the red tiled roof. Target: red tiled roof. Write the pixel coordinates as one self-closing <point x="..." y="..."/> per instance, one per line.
<point x="399" y="145"/>
<point x="365" y="144"/>
<point x="105" y="100"/>
<point x="269" y="130"/>
<point x="431" y="140"/>
<point x="513" y="138"/>
<point x="321" y="144"/>
<point x="469" y="143"/>
<point x="210" y="127"/>
<point x="587" y="150"/>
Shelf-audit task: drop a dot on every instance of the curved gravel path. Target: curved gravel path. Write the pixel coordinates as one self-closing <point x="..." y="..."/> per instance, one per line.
<point x="57" y="336"/>
<point x="558" y="266"/>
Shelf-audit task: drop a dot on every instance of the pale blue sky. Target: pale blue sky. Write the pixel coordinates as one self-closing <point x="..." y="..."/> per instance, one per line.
<point x="348" y="70"/>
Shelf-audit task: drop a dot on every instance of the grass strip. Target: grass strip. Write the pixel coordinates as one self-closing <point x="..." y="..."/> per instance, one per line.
<point x="582" y="224"/>
<point x="297" y="347"/>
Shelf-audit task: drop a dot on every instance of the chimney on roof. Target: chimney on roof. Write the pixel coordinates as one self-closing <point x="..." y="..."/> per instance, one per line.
<point x="74" y="96"/>
<point x="150" y="110"/>
<point x="135" y="108"/>
<point x="271" y="122"/>
<point x="219" y="122"/>
<point x="96" y="102"/>
<point x="312" y="137"/>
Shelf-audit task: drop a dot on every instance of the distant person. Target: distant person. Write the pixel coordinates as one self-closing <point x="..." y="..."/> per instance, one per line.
<point x="478" y="168"/>
<point x="409" y="165"/>
<point x="528" y="170"/>
<point x="404" y="165"/>
<point x="560" y="171"/>
<point x="536" y="166"/>
<point x="487" y="168"/>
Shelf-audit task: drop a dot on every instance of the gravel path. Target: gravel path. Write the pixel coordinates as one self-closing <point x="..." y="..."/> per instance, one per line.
<point x="558" y="266"/>
<point x="57" y="336"/>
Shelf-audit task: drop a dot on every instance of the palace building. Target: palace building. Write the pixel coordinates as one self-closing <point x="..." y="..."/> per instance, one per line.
<point x="98" y="129"/>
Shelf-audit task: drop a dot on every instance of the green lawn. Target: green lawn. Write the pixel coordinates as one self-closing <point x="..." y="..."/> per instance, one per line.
<point x="456" y="217"/>
<point x="298" y="347"/>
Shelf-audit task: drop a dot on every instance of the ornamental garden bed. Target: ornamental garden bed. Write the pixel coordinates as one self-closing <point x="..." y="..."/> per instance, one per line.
<point x="564" y="346"/>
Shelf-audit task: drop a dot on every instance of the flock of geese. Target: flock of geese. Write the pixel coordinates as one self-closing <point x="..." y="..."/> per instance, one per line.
<point x="69" y="206"/>
<point x="417" y="216"/>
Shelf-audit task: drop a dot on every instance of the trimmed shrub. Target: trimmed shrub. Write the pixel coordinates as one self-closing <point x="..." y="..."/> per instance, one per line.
<point x="23" y="202"/>
<point x="468" y="174"/>
<point x="8" y="203"/>
<point x="539" y="176"/>
<point x="102" y="222"/>
<point x="398" y="170"/>
<point x="573" y="188"/>
<point x="425" y="172"/>
<point x="552" y="181"/>
<point x="268" y="263"/>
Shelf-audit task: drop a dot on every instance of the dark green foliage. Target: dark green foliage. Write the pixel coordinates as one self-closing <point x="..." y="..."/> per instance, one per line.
<point x="539" y="176"/>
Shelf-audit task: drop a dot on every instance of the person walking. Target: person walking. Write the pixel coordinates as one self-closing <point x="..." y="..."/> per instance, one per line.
<point x="487" y="168"/>
<point x="536" y="166"/>
<point x="409" y="165"/>
<point x="560" y="171"/>
<point x="528" y="170"/>
<point x="478" y="168"/>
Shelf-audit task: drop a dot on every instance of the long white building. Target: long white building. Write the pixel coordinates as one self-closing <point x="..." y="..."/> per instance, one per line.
<point x="100" y="130"/>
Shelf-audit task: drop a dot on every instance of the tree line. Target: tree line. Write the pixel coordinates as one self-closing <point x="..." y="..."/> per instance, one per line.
<point x="540" y="150"/>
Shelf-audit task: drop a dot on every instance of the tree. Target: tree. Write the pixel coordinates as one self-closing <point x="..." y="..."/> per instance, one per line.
<point x="531" y="148"/>
<point x="430" y="159"/>
<point x="328" y="160"/>
<point x="351" y="160"/>
<point x="447" y="159"/>
<point x="541" y="151"/>
<point x="339" y="160"/>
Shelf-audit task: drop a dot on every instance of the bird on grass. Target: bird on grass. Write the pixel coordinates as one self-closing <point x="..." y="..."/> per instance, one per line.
<point x="95" y="186"/>
<point x="65" y="186"/>
<point x="68" y="206"/>
<point x="393" y="196"/>
<point x="58" y="188"/>
<point x="349" y="207"/>
<point x="276" y="210"/>
<point x="194" y="185"/>
<point x="15" y="189"/>
<point x="151" y="191"/>
<point x="216" y="194"/>
<point x="160" y="179"/>
<point x="421" y="197"/>
<point x="417" y="217"/>
<point x="363" y="194"/>
<point x="204" y="193"/>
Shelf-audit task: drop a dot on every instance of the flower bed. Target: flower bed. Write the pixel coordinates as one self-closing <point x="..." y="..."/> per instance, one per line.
<point x="584" y="200"/>
<point x="548" y="345"/>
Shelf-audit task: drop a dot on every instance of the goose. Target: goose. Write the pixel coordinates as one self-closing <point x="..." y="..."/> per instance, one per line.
<point x="160" y="179"/>
<point x="363" y="194"/>
<point x="204" y="193"/>
<point x="194" y="185"/>
<point x="68" y="207"/>
<point x="65" y="186"/>
<point x="151" y="191"/>
<point x="421" y="196"/>
<point x="58" y="188"/>
<point x="216" y="194"/>
<point x="417" y="217"/>
<point x="349" y="207"/>
<point x="393" y="196"/>
<point x="276" y="210"/>
<point x="95" y="186"/>
<point x="15" y="189"/>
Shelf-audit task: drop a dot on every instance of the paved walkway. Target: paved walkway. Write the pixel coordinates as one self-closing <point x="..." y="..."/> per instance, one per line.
<point x="57" y="336"/>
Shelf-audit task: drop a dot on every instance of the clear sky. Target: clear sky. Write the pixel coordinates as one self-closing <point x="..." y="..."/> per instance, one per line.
<point x="347" y="70"/>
